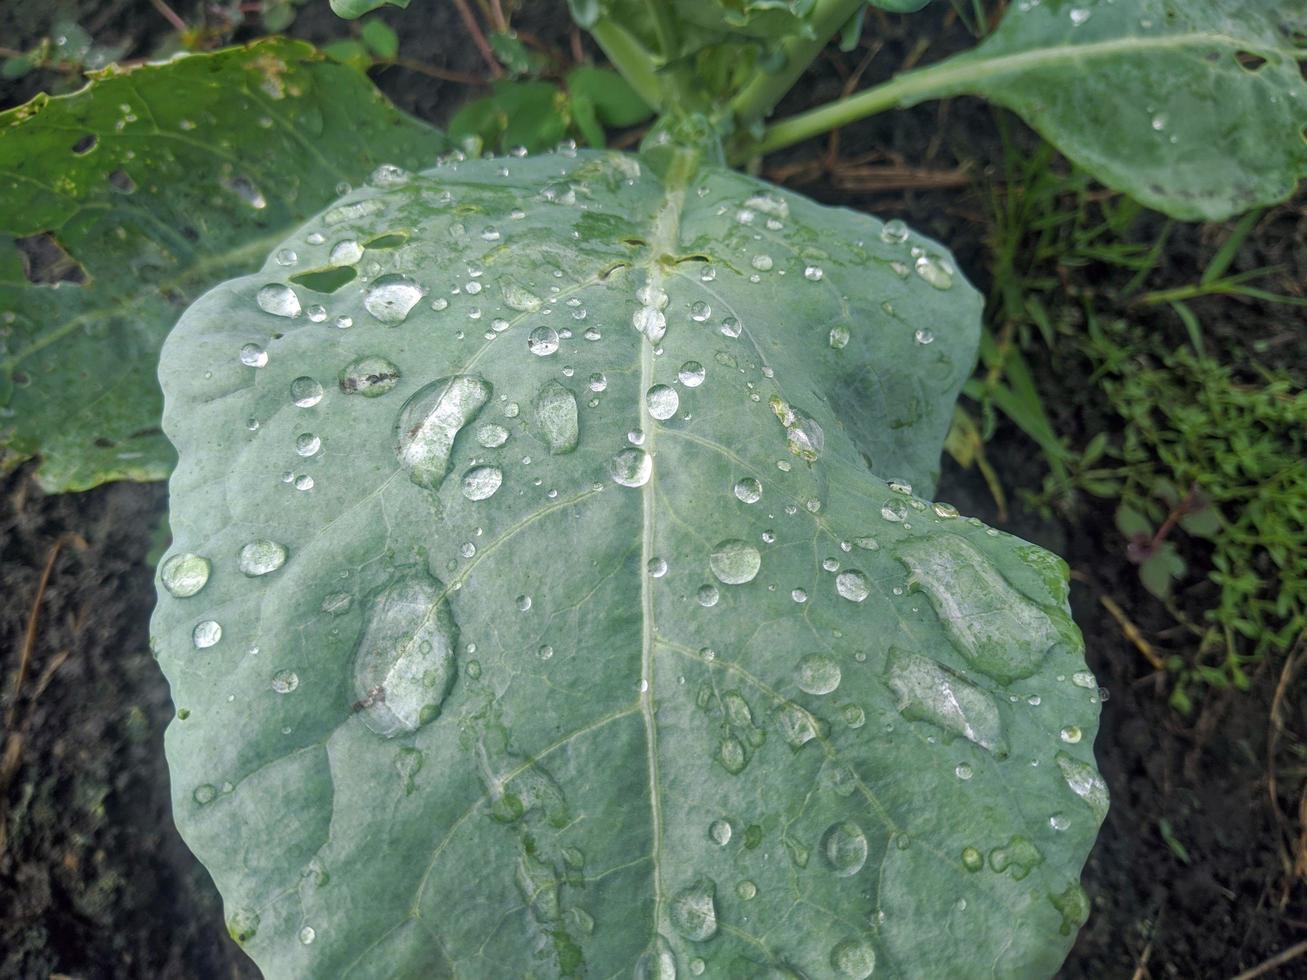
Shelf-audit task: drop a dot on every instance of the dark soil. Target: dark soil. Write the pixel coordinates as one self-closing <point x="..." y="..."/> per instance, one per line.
<point x="95" y="882"/>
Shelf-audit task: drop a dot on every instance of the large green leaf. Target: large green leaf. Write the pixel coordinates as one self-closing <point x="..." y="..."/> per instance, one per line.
<point x="508" y="640"/>
<point x="1197" y="108"/>
<point x="122" y="202"/>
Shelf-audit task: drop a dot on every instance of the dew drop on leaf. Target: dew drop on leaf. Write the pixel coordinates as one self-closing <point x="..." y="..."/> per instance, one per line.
<point x="631" y="467"/>
<point x="206" y="634"/>
<point x="844" y="846"/>
<point x="818" y="674"/>
<point x="556" y="417"/>
<point x="305" y="392"/>
<point x="693" y="910"/>
<point x="368" y="376"/>
<point x="734" y="562"/>
<point x="391" y="297"/>
<point x="748" y="490"/>
<point x="481" y="482"/>
<point x="184" y="574"/>
<point x="261" y="558"/>
<point x="662" y="402"/>
<point x="542" y="341"/>
<point x="429" y="422"/>
<point x="852" y="584"/>
<point x="279" y="300"/>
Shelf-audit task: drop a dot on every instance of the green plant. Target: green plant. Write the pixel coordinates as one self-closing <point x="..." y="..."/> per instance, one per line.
<point x="555" y="588"/>
<point x="1206" y="463"/>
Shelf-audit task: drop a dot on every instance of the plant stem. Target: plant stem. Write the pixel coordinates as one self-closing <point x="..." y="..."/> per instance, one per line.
<point x="631" y="59"/>
<point x="758" y="98"/>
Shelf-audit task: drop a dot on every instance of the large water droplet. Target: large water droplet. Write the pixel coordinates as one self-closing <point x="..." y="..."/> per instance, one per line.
<point x="184" y="574"/>
<point x="748" y="490"/>
<point x="305" y="392"/>
<point x="658" y="962"/>
<point x="720" y="832"/>
<point x="929" y="692"/>
<point x="345" y="252"/>
<point x="662" y="402"/>
<point x="481" y="482"/>
<point x="934" y="271"/>
<point x="542" y="341"/>
<point x="556" y="417"/>
<point x="691" y="374"/>
<point x="404" y="664"/>
<point x="844" y="846"/>
<point x="852" y="585"/>
<point x="998" y="629"/>
<point x="854" y="958"/>
<point x="279" y="300"/>
<point x="368" y="376"/>
<point x="518" y="298"/>
<point x="1085" y="782"/>
<point x="735" y="562"/>
<point x="252" y="355"/>
<point x="429" y="422"/>
<point x="391" y="297"/>
<point x="261" y="558"/>
<point x="894" y="232"/>
<point x="818" y="674"/>
<point x="631" y="467"/>
<point x="693" y="910"/>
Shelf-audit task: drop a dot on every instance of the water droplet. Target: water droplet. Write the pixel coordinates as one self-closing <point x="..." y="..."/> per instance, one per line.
<point x="1079" y="15"/>
<point x="404" y="664"/>
<point x="542" y="341"/>
<point x="748" y="490"/>
<point x="1059" y="821"/>
<point x="243" y="925"/>
<point x="700" y="312"/>
<point x="931" y="693"/>
<point x="429" y="422"/>
<point x="762" y="263"/>
<point x="1083" y="780"/>
<point x="839" y="336"/>
<point x="184" y="574"/>
<point x="662" y="402"/>
<point x="279" y="300"/>
<point x="813" y="273"/>
<point x="304" y="482"/>
<point x="747" y="890"/>
<point x="261" y="558"/>
<point x="523" y="300"/>
<point x="854" y="958"/>
<point x="852" y="584"/>
<point x="388" y="175"/>
<point x="307" y="935"/>
<point x="697" y="966"/>
<point x="972" y="859"/>
<point x="720" y="832"/>
<point x="998" y="629"/>
<point x="305" y="392"/>
<point x="691" y="374"/>
<point x="285" y="681"/>
<point x="391" y="297"/>
<point x="818" y="674"/>
<point x="651" y="322"/>
<point x="708" y="596"/>
<point x="1020" y="855"/>
<point x="481" y="482"/>
<point x="963" y="771"/>
<point x="252" y="355"/>
<point x="657" y="567"/>
<point x="368" y="376"/>
<point x="631" y="467"/>
<point x="307" y="444"/>
<point x="658" y="962"/>
<point x="1071" y="734"/>
<point x="923" y="336"/>
<point x="735" y="562"/>
<point x="491" y="435"/>
<point x="556" y="417"/>
<point x="730" y="328"/>
<point x="206" y="634"/>
<point x="894" y="232"/>
<point x="693" y="910"/>
<point x="854" y="716"/>
<point x="345" y="252"/>
<point x="934" y="271"/>
<point x="523" y="603"/>
<point x="844" y="846"/>
<point x="204" y="794"/>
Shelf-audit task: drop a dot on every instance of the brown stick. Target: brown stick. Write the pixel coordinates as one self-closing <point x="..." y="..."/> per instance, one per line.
<point x="1275" y="962"/>
<point x="479" y="39"/>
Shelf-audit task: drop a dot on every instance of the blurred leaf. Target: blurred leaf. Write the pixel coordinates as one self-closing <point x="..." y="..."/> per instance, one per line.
<point x="516" y="57"/>
<point x="380" y="38"/>
<point x="1161" y="569"/>
<point x="350" y="9"/>
<point x="518" y="113"/>
<point x="350" y="52"/>
<point x="616" y="104"/>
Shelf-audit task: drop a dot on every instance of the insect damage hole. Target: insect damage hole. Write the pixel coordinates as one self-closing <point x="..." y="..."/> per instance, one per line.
<point x="47" y="263"/>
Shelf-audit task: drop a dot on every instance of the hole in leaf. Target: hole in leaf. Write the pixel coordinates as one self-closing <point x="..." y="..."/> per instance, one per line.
<point x="120" y="181"/>
<point x="46" y="263"/>
<point x="326" y="280"/>
<point x="605" y="273"/>
<point x="1249" y="61"/>
<point x="692" y="258"/>
<point x="86" y="144"/>
<point x="104" y="443"/>
<point x="634" y="242"/>
<point x="393" y="240"/>
<point x="244" y="188"/>
<point x="190" y="234"/>
<point x="22" y="378"/>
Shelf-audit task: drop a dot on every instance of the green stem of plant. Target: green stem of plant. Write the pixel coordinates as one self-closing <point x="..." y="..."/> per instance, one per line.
<point x="758" y="98"/>
<point x="631" y="59"/>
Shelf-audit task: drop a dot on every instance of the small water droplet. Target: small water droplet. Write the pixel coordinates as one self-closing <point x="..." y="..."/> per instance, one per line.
<point x="818" y="674"/>
<point x="305" y="392"/>
<point x="252" y="355"/>
<point x="542" y="341"/>
<point x="844" y="846"/>
<point x="556" y="417"/>
<point x="631" y="467"/>
<point x="285" y="681"/>
<point x="491" y="435"/>
<point x="692" y="374"/>
<point x="279" y="300"/>
<point x="700" y="311"/>
<point x="184" y="574"/>
<point x="206" y="634"/>
<point x="1071" y="734"/>
<point x="368" y="376"/>
<point x="813" y="273"/>
<point x="481" y="482"/>
<point x="657" y="567"/>
<point x="852" y="584"/>
<point x="854" y="958"/>
<point x="391" y="297"/>
<point x="708" y="596"/>
<point x="894" y="232"/>
<point x="748" y="490"/>
<point x="962" y="771"/>
<point x="720" y="832"/>
<point x="839" y="336"/>
<point x="693" y="910"/>
<point x="307" y="935"/>
<point x="307" y="444"/>
<point x="934" y="271"/>
<point x="761" y="262"/>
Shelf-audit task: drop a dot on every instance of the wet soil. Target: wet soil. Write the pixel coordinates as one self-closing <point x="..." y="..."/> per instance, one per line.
<point x="1189" y="878"/>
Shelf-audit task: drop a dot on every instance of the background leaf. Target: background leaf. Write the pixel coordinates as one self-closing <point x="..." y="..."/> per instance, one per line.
<point x="1194" y="108"/>
<point x="509" y="641"/>
<point x="122" y="202"/>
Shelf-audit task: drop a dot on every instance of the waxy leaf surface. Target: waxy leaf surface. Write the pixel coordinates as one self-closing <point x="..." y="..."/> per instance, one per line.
<point x="555" y="603"/>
